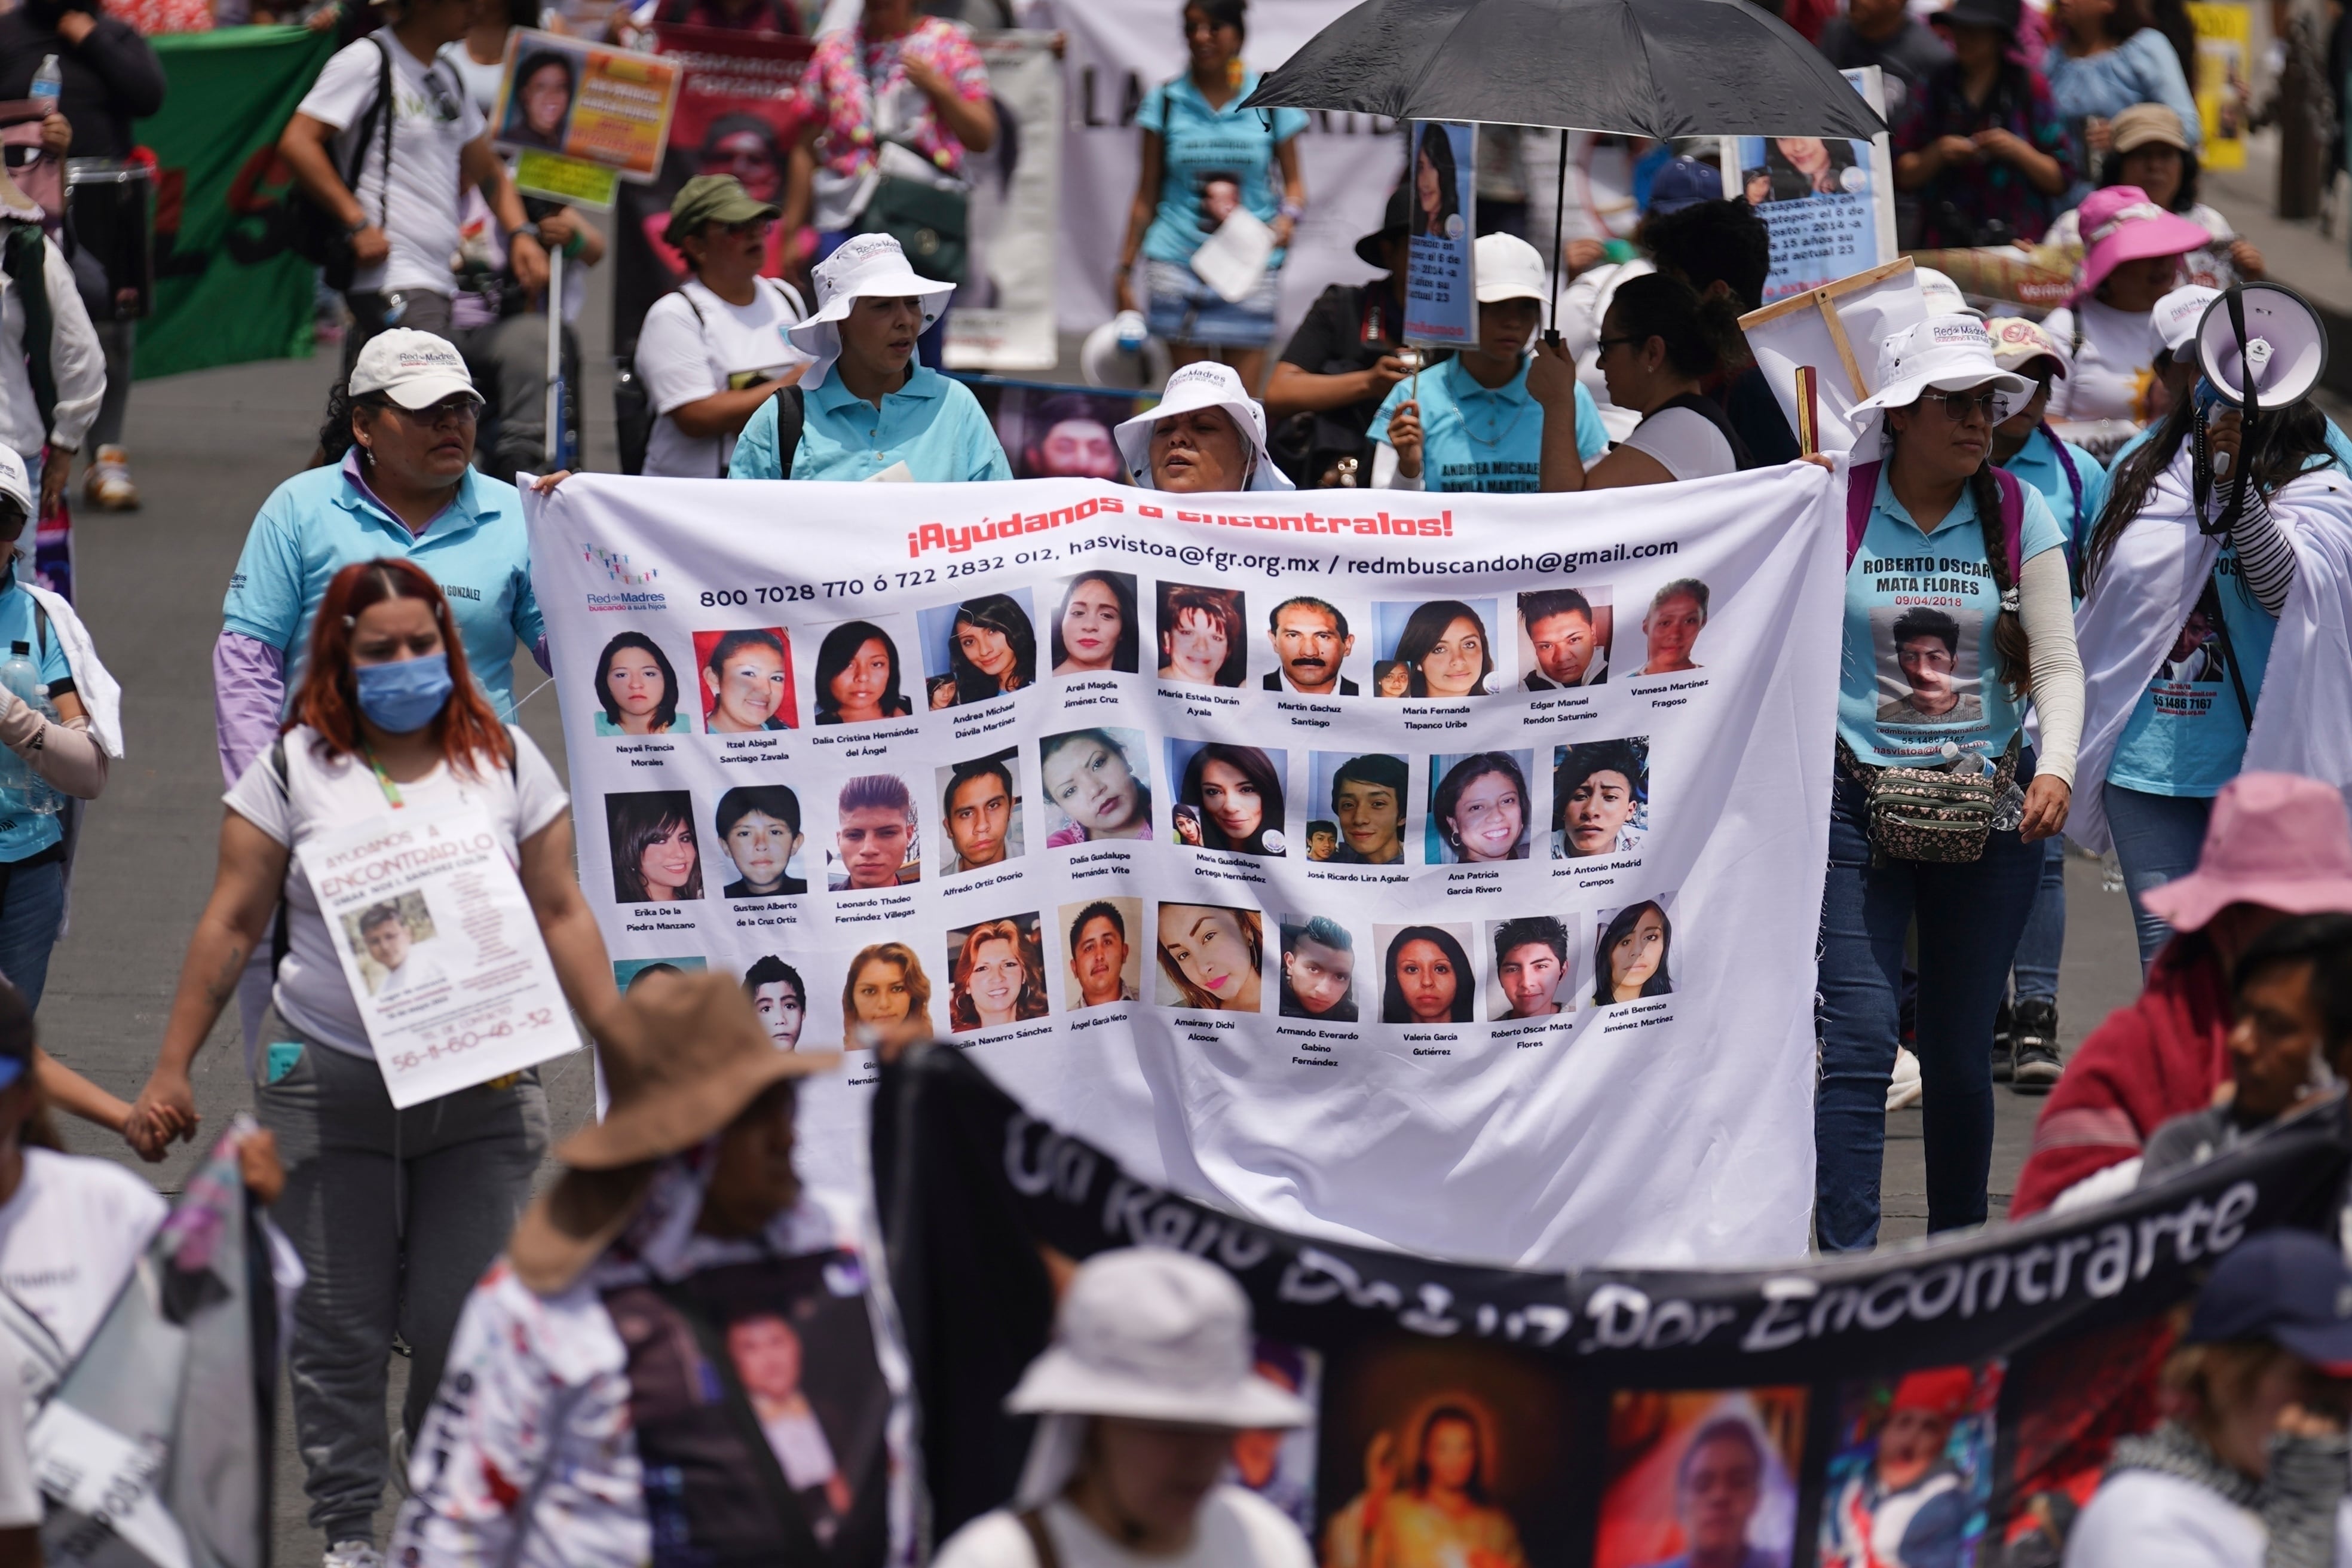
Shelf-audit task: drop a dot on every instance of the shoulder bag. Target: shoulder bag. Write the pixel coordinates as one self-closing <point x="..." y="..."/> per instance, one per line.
<point x="1935" y="814"/>
<point x="317" y="235"/>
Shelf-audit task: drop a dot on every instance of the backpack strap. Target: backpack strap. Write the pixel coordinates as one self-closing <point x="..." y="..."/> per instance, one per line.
<point x="280" y="941"/>
<point x="2012" y="520"/>
<point x="1861" y="488"/>
<point x="22" y="258"/>
<point x="1041" y="1541"/>
<point x="791" y="414"/>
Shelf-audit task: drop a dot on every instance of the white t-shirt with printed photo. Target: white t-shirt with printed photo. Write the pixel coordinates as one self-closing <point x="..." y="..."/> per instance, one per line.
<point x="435" y="119"/>
<point x="682" y="360"/>
<point x="329" y="797"/>
<point x="70" y="1235"/>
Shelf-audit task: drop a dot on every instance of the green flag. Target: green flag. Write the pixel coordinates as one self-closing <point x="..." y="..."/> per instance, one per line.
<point x="227" y="287"/>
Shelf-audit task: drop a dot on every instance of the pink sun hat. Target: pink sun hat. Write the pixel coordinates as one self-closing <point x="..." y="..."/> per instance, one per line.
<point x="2120" y="224"/>
<point x="2275" y="839"/>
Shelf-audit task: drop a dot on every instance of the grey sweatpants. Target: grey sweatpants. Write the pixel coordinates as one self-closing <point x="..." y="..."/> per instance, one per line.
<point x="395" y="1214"/>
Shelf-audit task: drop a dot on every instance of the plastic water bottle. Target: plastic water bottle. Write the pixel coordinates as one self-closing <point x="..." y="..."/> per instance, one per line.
<point x="22" y="790"/>
<point x="48" y="83"/>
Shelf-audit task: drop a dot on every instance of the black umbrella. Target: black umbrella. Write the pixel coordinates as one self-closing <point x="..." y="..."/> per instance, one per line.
<point x="1660" y="68"/>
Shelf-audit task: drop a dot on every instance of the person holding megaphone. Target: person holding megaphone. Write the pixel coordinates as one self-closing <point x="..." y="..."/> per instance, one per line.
<point x="2234" y="513"/>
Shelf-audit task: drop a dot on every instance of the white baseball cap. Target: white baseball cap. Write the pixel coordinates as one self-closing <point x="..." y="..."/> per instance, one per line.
<point x="867" y="266"/>
<point x="1942" y="296"/>
<point x="415" y="370"/>
<point x="1942" y="353"/>
<point x="1509" y="267"/>
<point x="2172" y="326"/>
<point x="1205" y="384"/>
<point x="16" y="484"/>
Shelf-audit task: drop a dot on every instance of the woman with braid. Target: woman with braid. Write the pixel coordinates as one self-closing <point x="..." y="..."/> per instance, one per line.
<point x="1956" y="608"/>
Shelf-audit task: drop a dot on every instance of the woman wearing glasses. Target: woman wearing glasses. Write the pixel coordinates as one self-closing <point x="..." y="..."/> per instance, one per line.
<point x="1660" y="344"/>
<point x="1938" y="665"/>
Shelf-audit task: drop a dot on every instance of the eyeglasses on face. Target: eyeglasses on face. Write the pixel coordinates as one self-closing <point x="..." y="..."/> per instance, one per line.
<point x="1957" y="406"/>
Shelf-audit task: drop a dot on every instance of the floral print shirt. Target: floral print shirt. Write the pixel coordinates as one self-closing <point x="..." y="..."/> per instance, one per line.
<point x="1961" y="197"/>
<point x="526" y="1457"/>
<point x="848" y="75"/>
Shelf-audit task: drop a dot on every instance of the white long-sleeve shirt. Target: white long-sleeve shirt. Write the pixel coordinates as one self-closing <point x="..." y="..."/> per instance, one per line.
<point x="76" y="362"/>
<point x="528" y="1459"/>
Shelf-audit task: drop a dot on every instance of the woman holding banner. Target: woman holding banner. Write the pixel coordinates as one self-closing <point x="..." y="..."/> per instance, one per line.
<point x="396" y="1212"/>
<point x="1206" y="162"/>
<point x="1921" y="686"/>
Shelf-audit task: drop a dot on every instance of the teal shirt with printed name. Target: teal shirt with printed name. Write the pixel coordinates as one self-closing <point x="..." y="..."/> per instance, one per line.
<point x="1930" y="585"/>
<point x="2036" y="464"/>
<point x="1486" y="439"/>
<point x="933" y="424"/>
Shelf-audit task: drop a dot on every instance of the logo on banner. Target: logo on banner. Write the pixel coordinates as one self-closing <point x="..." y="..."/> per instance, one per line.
<point x="619" y="569"/>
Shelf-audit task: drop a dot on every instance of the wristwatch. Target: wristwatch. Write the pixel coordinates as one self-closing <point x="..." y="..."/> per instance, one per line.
<point x="355" y="228"/>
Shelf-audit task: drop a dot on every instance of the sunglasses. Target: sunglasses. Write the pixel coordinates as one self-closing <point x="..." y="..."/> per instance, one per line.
<point x="1958" y="406"/>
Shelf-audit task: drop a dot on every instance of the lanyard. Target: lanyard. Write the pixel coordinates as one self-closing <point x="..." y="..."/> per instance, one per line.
<point x="384" y="780"/>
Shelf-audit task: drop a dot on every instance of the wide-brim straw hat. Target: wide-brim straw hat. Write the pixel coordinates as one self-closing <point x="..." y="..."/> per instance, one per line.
<point x="684" y="1056"/>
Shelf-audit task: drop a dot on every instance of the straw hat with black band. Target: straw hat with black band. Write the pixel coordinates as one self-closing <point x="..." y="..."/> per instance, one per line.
<point x="684" y="1056"/>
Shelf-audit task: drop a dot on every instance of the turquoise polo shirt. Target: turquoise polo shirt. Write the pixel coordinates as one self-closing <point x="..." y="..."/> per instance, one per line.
<point x="934" y="425"/>
<point x="1487" y="439"/>
<point x="2036" y="464"/>
<point x="1936" y="590"/>
<point x="24" y="833"/>
<point x="320" y="521"/>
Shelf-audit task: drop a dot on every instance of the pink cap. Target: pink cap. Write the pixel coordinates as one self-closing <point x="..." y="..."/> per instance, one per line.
<point x="2120" y="224"/>
<point x="2275" y="839"/>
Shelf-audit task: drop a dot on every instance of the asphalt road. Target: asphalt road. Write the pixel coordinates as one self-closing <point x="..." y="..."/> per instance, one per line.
<point x="208" y="449"/>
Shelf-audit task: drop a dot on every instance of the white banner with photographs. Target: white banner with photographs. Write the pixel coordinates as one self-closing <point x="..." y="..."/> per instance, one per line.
<point x="1447" y="880"/>
<point x="441" y="949"/>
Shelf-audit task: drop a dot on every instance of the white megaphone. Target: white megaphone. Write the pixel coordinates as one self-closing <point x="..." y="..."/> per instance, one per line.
<point x="2262" y="340"/>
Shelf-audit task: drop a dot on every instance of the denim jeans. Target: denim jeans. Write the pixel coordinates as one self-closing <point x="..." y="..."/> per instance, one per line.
<point x="32" y="906"/>
<point x="2044" y="942"/>
<point x="396" y="1214"/>
<point x="1969" y="918"/>
<point x="2158" y="839"/>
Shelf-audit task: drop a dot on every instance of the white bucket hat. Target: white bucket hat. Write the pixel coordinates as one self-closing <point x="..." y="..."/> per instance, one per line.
<point x="1150" y="1334"/>
<point x="1206" y="385"/>
<point x="1942" y="353"/>
<point x="2172" y="326"/>
<point x="867" y="266"/>
<point x="415" y="370"/>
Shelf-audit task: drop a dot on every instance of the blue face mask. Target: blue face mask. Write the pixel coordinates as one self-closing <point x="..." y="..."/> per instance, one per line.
<point x="406" y="695"/>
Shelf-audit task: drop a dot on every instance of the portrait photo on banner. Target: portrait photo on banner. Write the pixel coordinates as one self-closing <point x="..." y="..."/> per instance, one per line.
<point x="1062" y="433"/>
<point x="1633" y="956"/>
<point x="2066" y="1404"/>
<point x="1097" y="629"/>
<point x="1228" y="797"/>
<point x="885" y="984"/>
<point x="656" y="854"/>
<point x="1280" y="1465"/>
<point x="638" y="690"/>
<point x="747" y="680"/>
<point x="996" y="975"/>
<point x="1096" y="784"/>
<point x="1366" y="797"/>
<point x="1671" y="626"/>
<point x="1438" y="1455"/>
<point x="760" y="841"/>
<point x="1701" y="1476"/>
<point x="1312" y="642"/>
<point x="1204" y="633"/>
<point x="1428" y="974"/>
<point x="627" y="972"/>
<point x="1436" y="648"/>
<point x="876" y="840"/>
<point x="862" y="677"/>
<point x="1600" y="798"/>
<point x="1212" y="957"/>
<point x="1102" y="945"/>
<point x="980" y="812"/>
<point x="1564" y="636"/>
<point x="1928" y="663"/>
<point x="779" y="999"/>
<point x="1320" y="957"/>
<point x="1536" y="971"/>
<point x="397" y="944"/>
<point x="1479" y="807"/>
<point x="979" y="649"/>
<point x="1911" y="1468"/>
